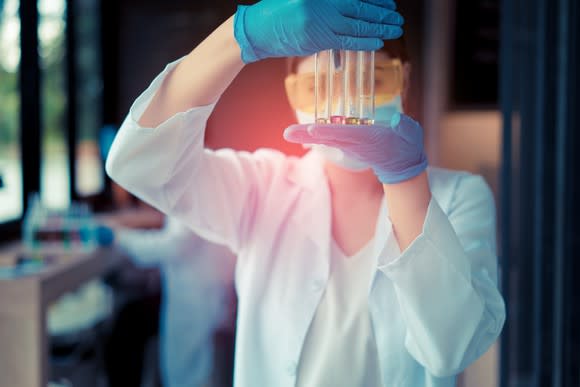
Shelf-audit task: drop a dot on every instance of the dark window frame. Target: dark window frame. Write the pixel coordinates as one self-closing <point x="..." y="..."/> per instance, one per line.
<point x="30" y="113"/>
<point x="30" y="117"/>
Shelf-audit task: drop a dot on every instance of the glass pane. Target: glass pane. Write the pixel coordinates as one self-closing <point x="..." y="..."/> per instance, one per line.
<point x="90" y="175"/>
<point x="55" y="179"/>
<point x="10" y="162"/>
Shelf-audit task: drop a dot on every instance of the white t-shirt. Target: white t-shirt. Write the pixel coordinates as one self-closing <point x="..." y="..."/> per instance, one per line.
<point x="340" y="348"/>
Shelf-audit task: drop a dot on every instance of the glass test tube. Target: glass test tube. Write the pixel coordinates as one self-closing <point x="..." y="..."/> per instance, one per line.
<point x="336" y="86"/>
<point x="321" y="89"/>
<point x="344" y="87"/>
<point x="366" y="74"/>
<point x="352" y="87"/>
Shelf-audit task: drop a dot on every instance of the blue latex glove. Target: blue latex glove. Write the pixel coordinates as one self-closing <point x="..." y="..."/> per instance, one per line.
<point x="393" y="150"/>
<point x="279" y="28"/>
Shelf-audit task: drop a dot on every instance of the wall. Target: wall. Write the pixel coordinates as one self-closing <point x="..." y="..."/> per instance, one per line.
<point x="471" y="141"/>
<point x="254" y="111"/>
<point x="468" y="139"/>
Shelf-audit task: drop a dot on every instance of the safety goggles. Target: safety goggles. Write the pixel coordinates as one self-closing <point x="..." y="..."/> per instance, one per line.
<point x="388" y="85"/>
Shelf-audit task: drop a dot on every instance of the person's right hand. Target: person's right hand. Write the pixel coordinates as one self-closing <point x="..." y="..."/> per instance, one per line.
<point x="279" y="28"/>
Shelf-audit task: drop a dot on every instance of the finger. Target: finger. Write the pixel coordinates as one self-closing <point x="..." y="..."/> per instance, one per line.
<point x="298" y="134"/>
<point x="348" y="134"/>
<point x="360" y="28"/>
<point x="408" y="128"/>
<point x="342" y="145"/>
<point x="401" y="121"/>
<point x="372" y="13"/>
<point x="360" y="44"/>
<point x="389" y="4"/>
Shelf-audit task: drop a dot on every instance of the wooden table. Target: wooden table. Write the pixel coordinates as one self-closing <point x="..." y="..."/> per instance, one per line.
<point x="24" y="353"/>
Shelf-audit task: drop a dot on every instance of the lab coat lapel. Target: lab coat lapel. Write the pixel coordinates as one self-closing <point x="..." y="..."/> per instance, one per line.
<point x="313" y="215"/>
<point x="309" y="173"/>
<point x="384" y="238"/>
<point x="312" y="220"/>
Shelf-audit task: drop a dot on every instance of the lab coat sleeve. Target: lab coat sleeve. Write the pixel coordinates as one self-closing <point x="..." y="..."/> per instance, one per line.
<point x="446" y="282"/>
<point x="214" y="193"/>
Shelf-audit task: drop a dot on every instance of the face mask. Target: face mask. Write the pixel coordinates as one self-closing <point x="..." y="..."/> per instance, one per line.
<point x="328" y="153"/>
<point x="384" y="113"/>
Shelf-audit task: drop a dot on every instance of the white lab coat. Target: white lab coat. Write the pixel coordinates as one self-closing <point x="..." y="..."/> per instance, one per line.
<point x="435" y="308"/>
<point x="195" y="278"/>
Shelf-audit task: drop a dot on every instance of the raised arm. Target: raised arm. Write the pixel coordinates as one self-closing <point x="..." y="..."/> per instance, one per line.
<point x="446" y="281"/>
<point x="158" y="154"/>
<point x="268" y="29"/>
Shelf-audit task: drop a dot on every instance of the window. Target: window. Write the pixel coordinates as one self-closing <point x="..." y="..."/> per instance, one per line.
<point x="55" y="180"/>
<point x="89" y="166"/>
<point x="10" y="160"/>
<point x="50" y="56"/>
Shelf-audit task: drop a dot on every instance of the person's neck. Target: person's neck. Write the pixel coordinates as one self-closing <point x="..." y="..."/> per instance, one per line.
<point x="345" y="183"/>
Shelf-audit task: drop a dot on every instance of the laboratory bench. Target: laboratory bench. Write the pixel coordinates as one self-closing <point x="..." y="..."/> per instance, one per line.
<point x="31" y="282"/>
<point x="25" y="299"/>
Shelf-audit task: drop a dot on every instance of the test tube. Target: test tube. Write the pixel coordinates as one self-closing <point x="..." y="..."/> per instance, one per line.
<point x="352" y="87"/>
<point x="344" y="87"/>
<point x="321" y="89"/>
<point x="336" y="86"/>
<point x="366" y="74"/>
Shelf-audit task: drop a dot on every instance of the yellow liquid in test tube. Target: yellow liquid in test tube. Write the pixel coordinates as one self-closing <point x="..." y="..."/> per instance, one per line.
<point x="344" y="87"/>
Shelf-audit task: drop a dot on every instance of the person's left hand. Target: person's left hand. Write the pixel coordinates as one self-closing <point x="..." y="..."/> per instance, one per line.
<point x="394" y="151"/>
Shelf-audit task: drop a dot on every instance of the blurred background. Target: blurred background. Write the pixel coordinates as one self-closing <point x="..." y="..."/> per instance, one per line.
<point x="494" y="83"/>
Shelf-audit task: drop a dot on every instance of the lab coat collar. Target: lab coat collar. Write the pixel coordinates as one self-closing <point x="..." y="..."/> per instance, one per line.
<point x="314" y="217"/>
<point x="308" y="172"/>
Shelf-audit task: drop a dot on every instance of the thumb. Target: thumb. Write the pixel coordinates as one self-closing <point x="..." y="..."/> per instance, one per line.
<point x="298" y="133"/>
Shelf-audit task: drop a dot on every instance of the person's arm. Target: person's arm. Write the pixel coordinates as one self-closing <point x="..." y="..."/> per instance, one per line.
<point x="407" y="203"/>
<point x="446" y="281"/>
<point x="394" y="150"/>
<point x="270" y="28"/>
<point x="199" y="79"/>
<point x="158" y="153"/>
<point x="159" y="156"/>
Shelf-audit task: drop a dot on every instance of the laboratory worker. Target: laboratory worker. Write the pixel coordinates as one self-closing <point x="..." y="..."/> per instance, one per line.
<point x="357" y="264"/>
<point x="196" y="275"/>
